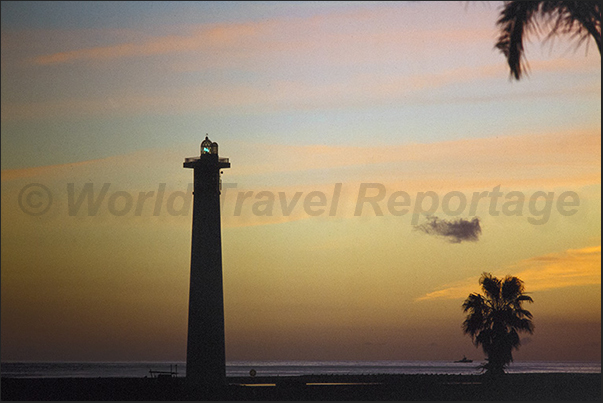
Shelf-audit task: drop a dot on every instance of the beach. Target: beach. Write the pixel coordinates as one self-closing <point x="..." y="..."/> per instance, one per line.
<point x="545" y="387"/>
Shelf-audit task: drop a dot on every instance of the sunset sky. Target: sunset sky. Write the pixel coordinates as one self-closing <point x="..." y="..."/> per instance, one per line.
<point x="319" y="105"/>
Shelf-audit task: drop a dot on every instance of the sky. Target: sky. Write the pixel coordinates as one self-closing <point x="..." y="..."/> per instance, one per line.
<point x="349" y="126"/>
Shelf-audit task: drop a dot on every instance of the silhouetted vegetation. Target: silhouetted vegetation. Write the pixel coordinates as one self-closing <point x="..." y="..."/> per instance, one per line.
<point x="495" y="319"/>
<point x="580" y="19"/>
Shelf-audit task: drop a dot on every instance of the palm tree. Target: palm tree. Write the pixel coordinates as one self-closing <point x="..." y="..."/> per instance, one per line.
<point x="580" y="19"/>
<point x="495" y="319"/>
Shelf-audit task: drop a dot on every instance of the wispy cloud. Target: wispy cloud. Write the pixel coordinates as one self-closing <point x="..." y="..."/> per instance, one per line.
<point x="574" y="267"/>
<point x="43" y="171"/>
<point x="335" y="60"/>
<point x="204" y="38"/>
<point x="463" y="165"/>
<point x="356" y="89"/>
<point x="335" y="32"/>
<point x="521" y="160"/>
<point x="101" y="169"/>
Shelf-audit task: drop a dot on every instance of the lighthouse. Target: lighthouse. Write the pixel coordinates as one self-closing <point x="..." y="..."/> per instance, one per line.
<point x="205" y="350"/>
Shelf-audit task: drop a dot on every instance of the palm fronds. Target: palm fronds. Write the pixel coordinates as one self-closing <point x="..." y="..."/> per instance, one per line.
<point x="495" y="319"/>
<point x="518" y="19"/>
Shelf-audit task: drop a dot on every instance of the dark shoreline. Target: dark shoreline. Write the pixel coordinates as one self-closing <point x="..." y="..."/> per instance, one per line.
<point x="546" y="387"/>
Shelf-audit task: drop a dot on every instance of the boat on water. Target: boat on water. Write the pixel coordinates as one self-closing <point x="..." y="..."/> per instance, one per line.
<point x="464" y="359"/>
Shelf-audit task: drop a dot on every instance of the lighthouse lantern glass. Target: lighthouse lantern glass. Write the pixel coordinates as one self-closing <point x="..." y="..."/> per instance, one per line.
<point x="206" y="146"/>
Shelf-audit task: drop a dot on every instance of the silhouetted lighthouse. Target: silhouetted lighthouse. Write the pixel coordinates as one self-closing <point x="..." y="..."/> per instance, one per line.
<point x="205" y="351"/>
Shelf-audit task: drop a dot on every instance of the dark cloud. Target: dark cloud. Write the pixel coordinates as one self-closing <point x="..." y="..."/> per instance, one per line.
<point x="455" y="231"/>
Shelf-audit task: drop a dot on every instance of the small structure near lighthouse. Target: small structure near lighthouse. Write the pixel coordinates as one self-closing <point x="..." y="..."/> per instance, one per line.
<point x="205" y="350"/>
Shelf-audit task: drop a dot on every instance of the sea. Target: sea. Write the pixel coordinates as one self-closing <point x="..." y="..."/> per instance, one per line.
<point x="278" y="368"/>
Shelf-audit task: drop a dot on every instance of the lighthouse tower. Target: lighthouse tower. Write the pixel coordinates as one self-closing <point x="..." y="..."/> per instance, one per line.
<point x="205" y="351"/>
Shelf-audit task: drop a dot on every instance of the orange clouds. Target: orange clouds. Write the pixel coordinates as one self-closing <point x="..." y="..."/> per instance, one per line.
<point x="358" y="90"/>
<point x="379" y="30"/>
<point x="524" y="160"/>
<point x="203" y="39"/>
<point x="278" y="172"/>
<point x="519" y="159"/>
<point x="574" y="267"/>
<point x="51" y="171"/>
<point x="368" y="57"/>
<point x="102" y="169"/>
<point x="338" y="60"/>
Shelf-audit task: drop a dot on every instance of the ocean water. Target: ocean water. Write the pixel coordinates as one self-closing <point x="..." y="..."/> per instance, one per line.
<point x="280" y="368"/>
